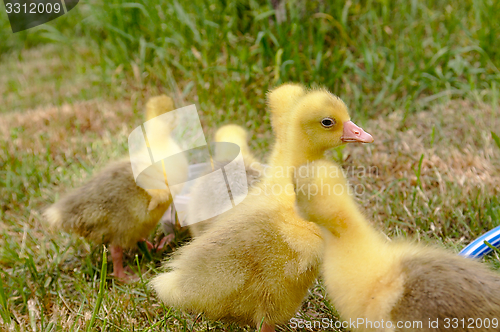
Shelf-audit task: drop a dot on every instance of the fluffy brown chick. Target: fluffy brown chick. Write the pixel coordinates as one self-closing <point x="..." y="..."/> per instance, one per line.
<point x="112" y="208"/>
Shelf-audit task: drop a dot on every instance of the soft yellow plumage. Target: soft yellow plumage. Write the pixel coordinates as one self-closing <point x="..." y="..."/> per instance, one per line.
<point x="258" y="260"/>
<point x="234" y="134"/>
<point x="372" y="280"/>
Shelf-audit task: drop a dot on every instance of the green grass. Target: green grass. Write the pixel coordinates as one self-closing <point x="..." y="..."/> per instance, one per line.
<point x="378" y="55"/>
<point x="404" y="68"/>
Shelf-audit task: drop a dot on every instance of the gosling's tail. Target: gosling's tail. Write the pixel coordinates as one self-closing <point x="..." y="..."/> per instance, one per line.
<point x="53" y="217"/>
<point x="167" y="288"/>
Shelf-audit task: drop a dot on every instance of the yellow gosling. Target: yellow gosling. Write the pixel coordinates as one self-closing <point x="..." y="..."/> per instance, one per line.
<point x="257" y="261"/>
<point x="391" y="286"/>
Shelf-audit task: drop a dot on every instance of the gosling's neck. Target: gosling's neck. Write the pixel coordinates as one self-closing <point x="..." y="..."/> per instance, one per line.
<point x="285" y="163"/>
<point x="343" y="219"/>
<point x="296" y="152"/>
<point x="360" y="262"/>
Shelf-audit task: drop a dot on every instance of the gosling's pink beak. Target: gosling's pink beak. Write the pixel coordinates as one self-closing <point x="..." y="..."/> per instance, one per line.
<point x="353" y="133"/>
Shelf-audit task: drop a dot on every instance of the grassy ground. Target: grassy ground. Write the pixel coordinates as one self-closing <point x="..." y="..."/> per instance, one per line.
<point x="421" y="76"/>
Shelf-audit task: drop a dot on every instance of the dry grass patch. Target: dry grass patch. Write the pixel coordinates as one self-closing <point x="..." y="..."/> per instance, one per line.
<point x="44" y="149"/>
<point x="436" y="170"/>
<point x="61" y="128"/>
<point x="47" y="75"/>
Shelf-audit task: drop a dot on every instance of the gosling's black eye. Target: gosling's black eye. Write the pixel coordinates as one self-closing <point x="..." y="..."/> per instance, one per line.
<point x="328" y="122"/>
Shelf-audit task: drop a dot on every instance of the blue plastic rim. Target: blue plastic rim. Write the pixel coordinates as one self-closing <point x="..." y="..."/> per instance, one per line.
<point x="478" y="247"/>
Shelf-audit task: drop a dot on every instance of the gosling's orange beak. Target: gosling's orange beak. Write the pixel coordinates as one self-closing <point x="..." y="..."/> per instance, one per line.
<point x="353" y="133"/>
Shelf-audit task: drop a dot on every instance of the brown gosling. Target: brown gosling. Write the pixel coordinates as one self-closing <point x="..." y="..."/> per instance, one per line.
<point x="111" y="208"/>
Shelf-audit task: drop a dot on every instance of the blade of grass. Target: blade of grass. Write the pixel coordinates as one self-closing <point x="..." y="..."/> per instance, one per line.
<point x="102" y="285"/>
<point x="496" y="139"/>
<point x="4" y="311"/>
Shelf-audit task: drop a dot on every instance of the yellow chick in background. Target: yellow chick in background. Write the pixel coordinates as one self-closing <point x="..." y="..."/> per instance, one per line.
<point x="391" y="286"/>
<point x="159" y="105"/>
<point x="112" y="208"/>
<point x="155" y="107"/>
<point x="256" y="262"/>
<point x="206" y="188"/>
<point x="234" y="134"/>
